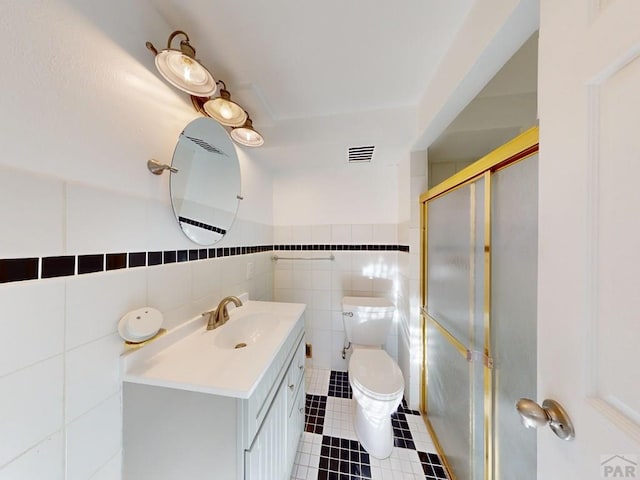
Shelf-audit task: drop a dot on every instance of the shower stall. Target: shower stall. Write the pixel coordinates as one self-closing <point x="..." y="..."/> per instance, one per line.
<point x="479" y="276"/>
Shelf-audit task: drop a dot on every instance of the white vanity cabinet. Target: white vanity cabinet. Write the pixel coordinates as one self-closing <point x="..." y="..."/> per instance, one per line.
<point x="273" y="451"/>
<point x="173" y="433"/>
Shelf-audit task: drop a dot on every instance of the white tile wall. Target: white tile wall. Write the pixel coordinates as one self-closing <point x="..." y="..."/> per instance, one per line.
<point x="60" y="384"/>
<point x="322" y="284"/>
<point x="91" y="374"/>
<point x="362" y="234"/>
<point x="95" y="302"/>
<point x="320" y="234"/>
<point x="340" y="234"/>
<point x="409" y="337"/>
<point x="33" y="326"/>
<point x="94" y="438"/>
<point x="67" y="351"/>
<point x="111" y="470"/>
<point x="31" y="406"/>
<point x="45" y="460"/>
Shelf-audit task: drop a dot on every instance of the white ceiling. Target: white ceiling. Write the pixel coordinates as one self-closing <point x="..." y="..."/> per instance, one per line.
<point x="286" y="59"/>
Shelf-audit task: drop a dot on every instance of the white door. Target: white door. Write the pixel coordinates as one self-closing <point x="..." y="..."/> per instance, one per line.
<point x="589" y="235"/>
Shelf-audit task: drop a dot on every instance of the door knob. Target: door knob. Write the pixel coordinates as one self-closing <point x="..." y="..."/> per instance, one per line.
<point x="550" y="413"/>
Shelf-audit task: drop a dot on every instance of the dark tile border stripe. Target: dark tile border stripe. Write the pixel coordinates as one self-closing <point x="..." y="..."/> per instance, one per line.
<point x="154" y="258"/>
<point x="90" y="263"/>
<point x="17" y="269"/>
<point x="58" y="266"/>
<point x="343" y="247"/>
<point x="204" y="226"/>
<point x="33" y="268"/>
<point x="116" y="261"/>
<point x="137" y="259"/>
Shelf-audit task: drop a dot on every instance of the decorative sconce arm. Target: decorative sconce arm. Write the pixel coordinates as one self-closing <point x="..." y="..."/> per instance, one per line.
<point x="185" y="46"/>
<point x="158" y="168"/>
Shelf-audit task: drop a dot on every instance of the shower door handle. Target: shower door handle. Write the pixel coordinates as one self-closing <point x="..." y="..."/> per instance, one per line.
<point x="550" y="413"/>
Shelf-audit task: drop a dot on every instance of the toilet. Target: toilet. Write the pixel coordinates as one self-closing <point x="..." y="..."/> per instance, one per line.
<point x="375" y="378"/>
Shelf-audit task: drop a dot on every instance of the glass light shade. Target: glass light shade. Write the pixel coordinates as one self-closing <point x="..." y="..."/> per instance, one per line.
<point x="225" y="111"/>
<point x="246" y="135"/>
<point x="185" y="73"/>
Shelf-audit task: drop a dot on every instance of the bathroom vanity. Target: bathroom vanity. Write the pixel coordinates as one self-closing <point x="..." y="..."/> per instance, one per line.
<point x="197" y="407"/>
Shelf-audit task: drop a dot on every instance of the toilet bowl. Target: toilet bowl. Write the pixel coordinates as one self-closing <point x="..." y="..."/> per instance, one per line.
<point x="377" y="385"/>
<point x="375" y="378"/>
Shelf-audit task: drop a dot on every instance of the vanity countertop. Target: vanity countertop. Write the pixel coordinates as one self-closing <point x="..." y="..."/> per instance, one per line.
<point x="199" y="360"/>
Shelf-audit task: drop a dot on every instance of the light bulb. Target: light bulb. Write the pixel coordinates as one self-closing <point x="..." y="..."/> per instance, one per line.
<point x="186" y="68"/>
<point x="185" y="73"/>
<point x="226" y="111"/>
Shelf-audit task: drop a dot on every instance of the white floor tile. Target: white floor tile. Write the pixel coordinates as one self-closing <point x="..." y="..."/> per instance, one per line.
<point x="317" y="381"/>
<point x="402" y="464"/>
<point x="420" y="434"/>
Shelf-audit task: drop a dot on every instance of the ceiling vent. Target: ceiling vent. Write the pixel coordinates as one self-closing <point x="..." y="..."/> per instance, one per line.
<point x="360" y="154"/>
<point x="205" y="145"/>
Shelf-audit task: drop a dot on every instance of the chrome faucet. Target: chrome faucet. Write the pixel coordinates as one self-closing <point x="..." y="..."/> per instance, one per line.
<point x="220" y="315"/>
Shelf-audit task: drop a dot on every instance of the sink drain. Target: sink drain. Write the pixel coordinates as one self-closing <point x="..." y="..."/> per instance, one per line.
<point x="240" y="345"/>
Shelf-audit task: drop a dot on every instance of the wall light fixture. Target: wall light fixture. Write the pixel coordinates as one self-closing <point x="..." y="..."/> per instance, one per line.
<point x="247" y="135"/>
<point x="181" y="69"/>
<point x="222" y="109"/>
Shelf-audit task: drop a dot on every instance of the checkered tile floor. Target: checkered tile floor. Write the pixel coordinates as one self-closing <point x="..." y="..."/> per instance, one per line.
<point x="329" y="449"/>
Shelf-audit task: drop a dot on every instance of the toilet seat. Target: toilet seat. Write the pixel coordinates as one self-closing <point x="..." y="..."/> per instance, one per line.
<point x="376" y="374"/>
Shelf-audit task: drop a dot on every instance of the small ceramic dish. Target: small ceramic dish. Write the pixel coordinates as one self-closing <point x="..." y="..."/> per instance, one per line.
<point x="140" y="325"/>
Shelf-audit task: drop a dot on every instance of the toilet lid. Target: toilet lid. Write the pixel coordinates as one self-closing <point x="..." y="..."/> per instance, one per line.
<point x="375" y="372"/>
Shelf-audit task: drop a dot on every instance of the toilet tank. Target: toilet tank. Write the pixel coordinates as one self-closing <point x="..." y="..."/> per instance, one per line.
<point x="367" y="320"/>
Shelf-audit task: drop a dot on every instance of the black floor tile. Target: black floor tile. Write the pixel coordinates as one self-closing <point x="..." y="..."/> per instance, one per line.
<point x="342" y="458"/>
<point x="339" y="385"/>
<point x="314" y="413"/>
<point x="401" y="433"/>
<point x="432" y="466"/>
<point x="403" y="408"/>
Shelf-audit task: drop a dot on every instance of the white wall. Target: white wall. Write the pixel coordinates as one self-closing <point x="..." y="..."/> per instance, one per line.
<point x="82" y="111"/>
<point x="414" y="183"/>
<point x="361" y="193"/>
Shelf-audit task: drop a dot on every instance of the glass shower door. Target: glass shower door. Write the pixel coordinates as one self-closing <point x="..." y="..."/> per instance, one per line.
<point x="514" y="273"/>
<point x="454" y="326"/>
<point x="480" y="292"/>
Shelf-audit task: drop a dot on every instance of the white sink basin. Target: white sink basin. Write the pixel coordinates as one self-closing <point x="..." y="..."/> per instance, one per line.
<point x="229" y="360"/>
<point x="245" y="331"/>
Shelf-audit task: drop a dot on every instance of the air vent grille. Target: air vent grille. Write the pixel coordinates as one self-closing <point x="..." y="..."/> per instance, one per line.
<point x="360" y="154"/>
<point x="205" y="145"/>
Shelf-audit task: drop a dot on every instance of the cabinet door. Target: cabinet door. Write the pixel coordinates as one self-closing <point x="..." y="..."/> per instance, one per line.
<point x="266" y="459"/>
<point x="295" y="426"/>
<point x="295" y="374"/>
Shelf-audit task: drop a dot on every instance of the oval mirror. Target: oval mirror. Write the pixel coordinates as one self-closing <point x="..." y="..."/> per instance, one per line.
<point x="205" y="192"/>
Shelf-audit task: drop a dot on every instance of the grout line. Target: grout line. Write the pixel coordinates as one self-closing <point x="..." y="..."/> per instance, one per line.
<point x="46" y="359"/>
<point x="105" y="464"/>
<point x="36" y="445"/>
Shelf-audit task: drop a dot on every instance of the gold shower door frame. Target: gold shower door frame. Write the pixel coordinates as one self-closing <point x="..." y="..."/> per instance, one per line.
<point x="521" y="147"/>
